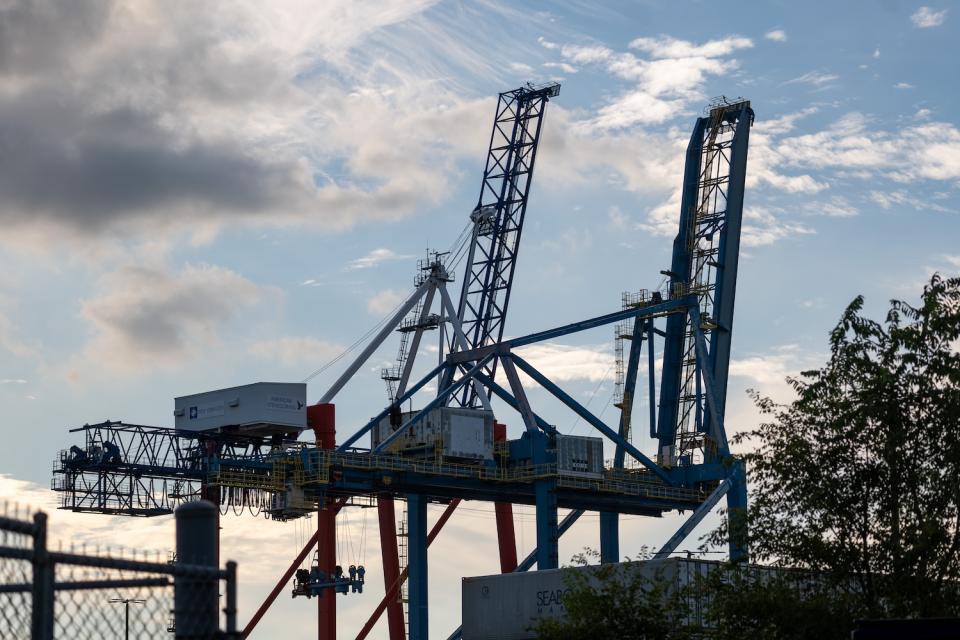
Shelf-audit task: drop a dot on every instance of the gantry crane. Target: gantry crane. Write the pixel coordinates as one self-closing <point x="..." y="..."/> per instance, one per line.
<point x="149" y="469"/>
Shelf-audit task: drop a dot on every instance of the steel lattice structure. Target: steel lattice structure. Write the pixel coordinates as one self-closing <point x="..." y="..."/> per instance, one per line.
<point x="691" y="471"/>
<point x="498" y="218"/>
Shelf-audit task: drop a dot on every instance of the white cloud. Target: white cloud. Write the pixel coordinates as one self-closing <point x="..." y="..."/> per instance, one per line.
<point x="777" y="35"/>
<point x="903" y="85"/>
<point x="667" y="47"/>
<point x="520" y="67"/>
<point x="876" y="53"/>
<point x="888" y="199"/>
<point x="927" y="151"/>
<point x="383" y="302"/>
<point x="565" y="363"/>
<point x="144" y="317"/>
<point x="586" y="54"/>
<point x="835" y="207"/>
<point x="546" y="44"/>
<point x="374" y="259"/>
<point x="562" y="66"/>
<point x="668" y="78"/>
<point x="815" y="78"/>
<point x="12" y="381"/>
<point x="764" y="226"/>
<point x="291" y="351"/>
<point x="925" y="17"/>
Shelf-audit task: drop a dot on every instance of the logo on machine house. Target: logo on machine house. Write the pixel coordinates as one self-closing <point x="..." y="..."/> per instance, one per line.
<point x="285" y="403"/>
<point x="201" y="411"/>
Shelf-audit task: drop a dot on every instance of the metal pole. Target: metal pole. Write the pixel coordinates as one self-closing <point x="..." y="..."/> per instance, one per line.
<point x="126" y="612"/>
<point x="230" y="611"/>
<point x="195" y="599"/>
<point x="42" y="605"/>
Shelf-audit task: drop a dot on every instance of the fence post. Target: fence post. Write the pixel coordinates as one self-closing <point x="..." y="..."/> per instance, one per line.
<point x="195" y="598"/>
<point x="42" y="596"/>
<point x="231" y="609"/>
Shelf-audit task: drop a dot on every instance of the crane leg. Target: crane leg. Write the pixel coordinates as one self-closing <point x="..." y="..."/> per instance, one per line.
<point x="322" y="419"/>
<point x="391" y="564"/>
<point x="506" y="535"/>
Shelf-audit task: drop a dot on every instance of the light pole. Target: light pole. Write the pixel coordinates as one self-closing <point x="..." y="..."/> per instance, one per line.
<point x="126" y="612"/>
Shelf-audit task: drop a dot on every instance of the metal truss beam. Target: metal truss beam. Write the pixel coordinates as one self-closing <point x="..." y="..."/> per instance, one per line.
<point x="591" y="419"/>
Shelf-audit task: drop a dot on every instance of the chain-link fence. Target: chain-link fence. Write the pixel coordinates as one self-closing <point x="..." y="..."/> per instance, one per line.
<point x="53" y="594"/>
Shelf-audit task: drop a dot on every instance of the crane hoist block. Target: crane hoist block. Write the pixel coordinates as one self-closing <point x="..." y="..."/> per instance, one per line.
<point x="259" y="409"/>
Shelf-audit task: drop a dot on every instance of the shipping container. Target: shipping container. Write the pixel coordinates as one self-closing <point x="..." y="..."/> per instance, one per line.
<point x="508" y="606"/>
<point x="580" y="456"/>
<point x="259" y="409"/>
<point x="453" y="432"/>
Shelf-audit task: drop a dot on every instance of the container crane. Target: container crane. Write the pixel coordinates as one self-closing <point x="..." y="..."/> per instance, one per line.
<point x="417" y="455"/>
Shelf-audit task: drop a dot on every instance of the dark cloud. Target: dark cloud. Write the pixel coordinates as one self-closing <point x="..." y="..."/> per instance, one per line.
<point x="149" y="313"/>
<point x="100" y="129"/>
<point x="38" y="36"/>
<point x="88" y="170"/>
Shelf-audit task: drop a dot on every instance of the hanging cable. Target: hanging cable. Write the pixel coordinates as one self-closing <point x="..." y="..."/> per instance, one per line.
<point x="593" y="395"/>
<point x="355" y="344"/>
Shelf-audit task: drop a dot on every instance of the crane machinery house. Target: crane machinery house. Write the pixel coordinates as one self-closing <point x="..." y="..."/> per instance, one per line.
<point x="258" y="409"/>
<point x="452" y="432"/>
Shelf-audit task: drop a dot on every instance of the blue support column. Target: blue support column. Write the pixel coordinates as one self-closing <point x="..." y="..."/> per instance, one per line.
<point x="417" y="564"/>
<point x="737" y="514"/>
<point x="609" y="536"/>
<point x="610" y="521"/>
<point x="548" y="536"/>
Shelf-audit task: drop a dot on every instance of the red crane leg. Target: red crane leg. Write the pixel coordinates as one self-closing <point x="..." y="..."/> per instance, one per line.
<point x="393" y="592"/>
<point x="322" y="419"/>
<point x="391" y="565"/>
<point x="506" y="536"/>
<point x="285" y="578"/>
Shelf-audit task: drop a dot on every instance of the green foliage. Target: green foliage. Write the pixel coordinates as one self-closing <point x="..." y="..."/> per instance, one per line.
<point x="616" y="602"/>
<point x="855" y="485"/>
<point x="785" y="606"/>
<point x="858" y="478"/>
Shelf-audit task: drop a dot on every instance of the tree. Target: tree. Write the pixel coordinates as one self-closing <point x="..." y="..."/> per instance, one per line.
<point x="858" y="479"/>
<point x="854" y="492"/>
<point x="617" y="602"/>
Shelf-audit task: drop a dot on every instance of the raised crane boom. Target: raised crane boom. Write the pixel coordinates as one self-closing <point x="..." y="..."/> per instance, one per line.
<point x="498" y="219"/>
<point x="705" y="256"/>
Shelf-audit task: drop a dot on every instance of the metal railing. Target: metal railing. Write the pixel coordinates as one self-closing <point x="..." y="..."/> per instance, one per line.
<point x="46" y="594"/>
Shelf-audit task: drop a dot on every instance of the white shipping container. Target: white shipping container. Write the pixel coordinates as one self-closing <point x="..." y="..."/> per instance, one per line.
<point x="459" y="433"/>
<point x="507" y="606"/>
<point x="262" y="408"/>
<point x="580" y="456"/>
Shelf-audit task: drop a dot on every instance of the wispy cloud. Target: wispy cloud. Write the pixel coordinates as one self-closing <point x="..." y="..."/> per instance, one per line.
<point x="777" y="35"/>
<point x="374" y="258"/>
<point x="292" y="350"/>
<point x="903" y="85"/>
<point x="562" y="66"/>
<point x="815" y="78"/>
<point x="12" y="381"/>
<point x="925" y="17"/>
<point x="383" y="302"/>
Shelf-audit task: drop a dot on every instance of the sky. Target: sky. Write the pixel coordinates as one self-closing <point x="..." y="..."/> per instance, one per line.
<point x="201" y="195"/>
